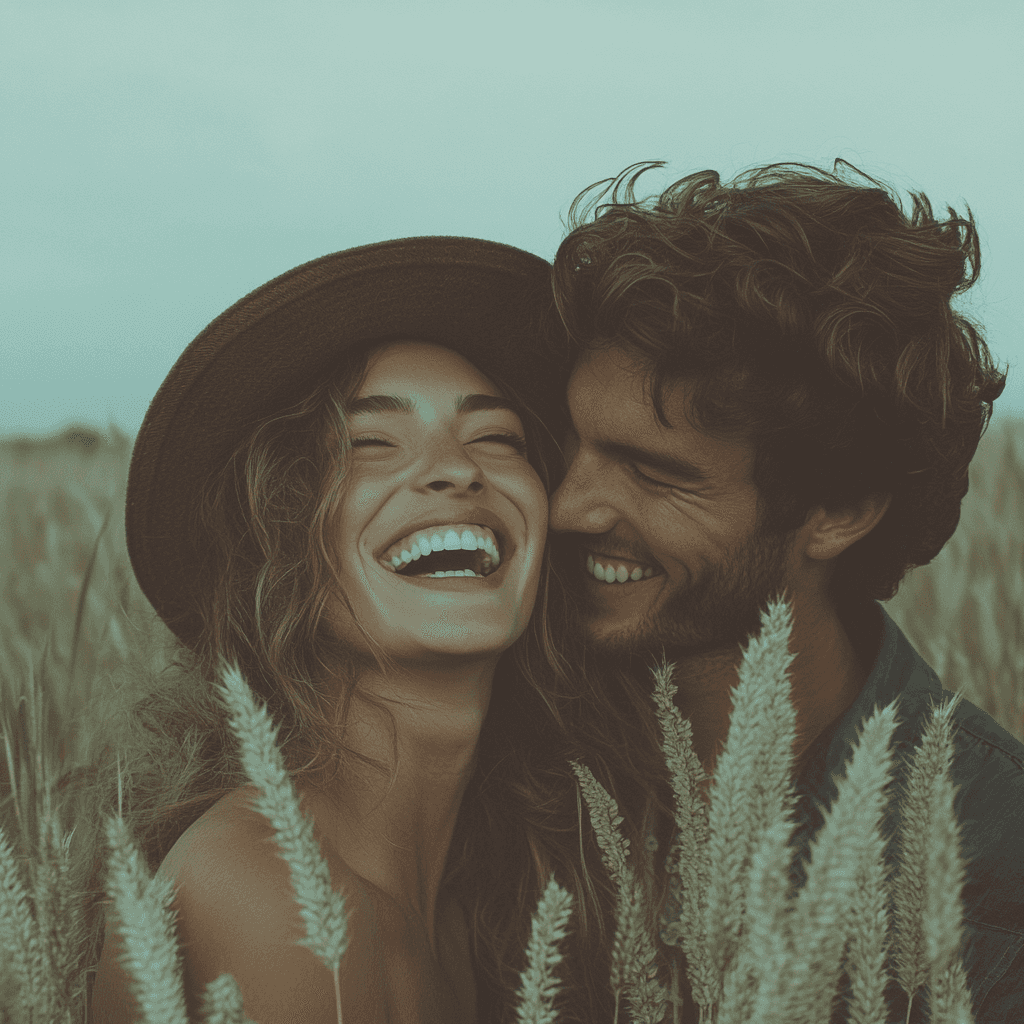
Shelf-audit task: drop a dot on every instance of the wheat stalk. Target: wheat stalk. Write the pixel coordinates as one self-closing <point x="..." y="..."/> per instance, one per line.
<point x="869" y="935"/>
<point x="633" y="968"/>
<point x="785" y="955"/>
<point x="322" y="909"/>
<point x="222" y="1002"/>
<point x="20" y="940"/>
<point x="942" y="920"/>
<point x="785" y="960"/>
<point x="779" y="954"/>
<point x="751" y="788"/>
<point x="800" y="982"/>
<point x="10" y="992"/>
<point x="930" y="763"/>
<point x="56" y="909"/>
<point x="537" y="983"/>
<point x="145" y="923"/>
<point x="766" y="917"/>
<point x="688" y="864"/>
<point x="44" y="882"/>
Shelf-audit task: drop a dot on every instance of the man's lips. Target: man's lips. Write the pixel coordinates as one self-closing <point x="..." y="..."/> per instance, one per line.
<point x="603" y="556"/>
<point x="627" y="560"/>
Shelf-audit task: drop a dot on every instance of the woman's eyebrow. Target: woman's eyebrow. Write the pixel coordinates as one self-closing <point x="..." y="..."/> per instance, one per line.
<point x="397" y="403"/>
<point x="485" y="403"/>
<point x="379" y="403"/>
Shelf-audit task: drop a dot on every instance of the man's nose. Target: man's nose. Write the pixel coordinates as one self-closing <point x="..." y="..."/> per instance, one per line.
<point x="578" y="506"/>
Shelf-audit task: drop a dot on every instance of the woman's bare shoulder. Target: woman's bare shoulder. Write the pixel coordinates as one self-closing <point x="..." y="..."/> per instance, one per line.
<point x="235" y="913"/>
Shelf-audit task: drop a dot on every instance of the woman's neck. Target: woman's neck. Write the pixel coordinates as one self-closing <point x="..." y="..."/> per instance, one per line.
<point x="397" y="836"/>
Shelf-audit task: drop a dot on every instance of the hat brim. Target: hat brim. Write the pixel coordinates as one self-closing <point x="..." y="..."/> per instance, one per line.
<point x="483" y="299"/>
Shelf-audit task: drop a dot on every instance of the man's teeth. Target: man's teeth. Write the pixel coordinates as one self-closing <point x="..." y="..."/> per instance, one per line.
<point x="616" y="573"/>
<point x="458" y="537"/>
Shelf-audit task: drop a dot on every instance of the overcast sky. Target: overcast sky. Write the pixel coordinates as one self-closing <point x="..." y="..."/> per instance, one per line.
<point x="161" y="159"/>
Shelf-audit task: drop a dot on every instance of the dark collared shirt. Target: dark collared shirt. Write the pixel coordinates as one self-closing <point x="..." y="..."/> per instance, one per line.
<point x="988" y="771"/>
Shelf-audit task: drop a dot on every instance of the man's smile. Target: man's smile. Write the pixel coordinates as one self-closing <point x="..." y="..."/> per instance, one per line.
<point x="611" y="569"/>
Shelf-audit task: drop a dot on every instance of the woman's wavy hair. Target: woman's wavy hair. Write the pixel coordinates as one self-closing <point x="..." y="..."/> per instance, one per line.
<point x="265" y="528"/>
<point x="810" y="318"/>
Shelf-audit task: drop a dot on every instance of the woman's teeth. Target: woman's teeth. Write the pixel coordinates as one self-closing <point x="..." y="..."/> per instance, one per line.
<point x="616" y="572"/>
<point x="457" y="537"/>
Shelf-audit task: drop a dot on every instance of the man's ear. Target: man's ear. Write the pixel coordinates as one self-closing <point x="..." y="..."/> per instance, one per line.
<point x="829" y="533"/>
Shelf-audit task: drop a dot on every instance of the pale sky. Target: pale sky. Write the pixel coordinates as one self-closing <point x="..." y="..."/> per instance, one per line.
<point x="161" y="159"/>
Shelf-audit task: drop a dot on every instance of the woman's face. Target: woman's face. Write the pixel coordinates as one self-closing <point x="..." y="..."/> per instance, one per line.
<point x="437" y="462"/>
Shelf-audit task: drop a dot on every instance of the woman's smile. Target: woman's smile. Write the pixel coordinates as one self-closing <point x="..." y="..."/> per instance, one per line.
<point x="455" y="583"/>
<point x="435" y="546"/>
<point x="423" y="556"/>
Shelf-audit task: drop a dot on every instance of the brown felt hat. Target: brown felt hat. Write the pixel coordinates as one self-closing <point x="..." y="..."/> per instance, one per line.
<point x="483" y="299"/>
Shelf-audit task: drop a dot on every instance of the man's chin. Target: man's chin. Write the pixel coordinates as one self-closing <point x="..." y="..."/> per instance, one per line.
<point x="624" y="645"/>
<point x="647" y="641"/>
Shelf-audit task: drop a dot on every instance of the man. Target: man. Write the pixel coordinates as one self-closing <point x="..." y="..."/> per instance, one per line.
<point x="771" y="394"/>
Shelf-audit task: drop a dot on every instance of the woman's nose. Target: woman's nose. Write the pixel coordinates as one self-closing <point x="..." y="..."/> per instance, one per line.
<point x="450" y="466"/>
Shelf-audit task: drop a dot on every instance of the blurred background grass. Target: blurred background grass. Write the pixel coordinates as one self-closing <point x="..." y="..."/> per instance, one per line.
<point x="62" y="530"/>
<point x="964" y="612"/>
<point x="75" y="630"/>
<point x="63" y="520"/>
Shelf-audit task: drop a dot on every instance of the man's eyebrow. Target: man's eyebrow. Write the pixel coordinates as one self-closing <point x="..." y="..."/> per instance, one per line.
<point x="396" y="403"/>
<point x="681" y="469"/>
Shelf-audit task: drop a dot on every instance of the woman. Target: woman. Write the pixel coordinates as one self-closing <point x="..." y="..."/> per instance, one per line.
<point x="302" y="457"/>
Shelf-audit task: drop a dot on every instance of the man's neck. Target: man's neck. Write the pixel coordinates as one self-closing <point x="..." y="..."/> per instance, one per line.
<point x="826" y="676"/>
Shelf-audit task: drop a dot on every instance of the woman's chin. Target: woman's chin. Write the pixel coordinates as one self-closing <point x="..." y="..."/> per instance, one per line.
<point x="453" y="644"/>
<point x="436" y="642"/>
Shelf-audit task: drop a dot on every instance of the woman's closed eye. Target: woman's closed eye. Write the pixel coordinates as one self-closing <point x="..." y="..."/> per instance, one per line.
<point x="360" y="442"/>
<point x="515" y="441"/>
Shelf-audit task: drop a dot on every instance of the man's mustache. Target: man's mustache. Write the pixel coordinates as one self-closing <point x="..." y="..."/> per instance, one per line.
<point x="570" y="544"/>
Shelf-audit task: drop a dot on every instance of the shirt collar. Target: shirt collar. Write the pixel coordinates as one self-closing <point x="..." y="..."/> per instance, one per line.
<point x="897" y="671"/>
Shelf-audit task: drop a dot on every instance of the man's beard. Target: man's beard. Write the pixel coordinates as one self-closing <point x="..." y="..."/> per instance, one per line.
<point x="719" y="611"/>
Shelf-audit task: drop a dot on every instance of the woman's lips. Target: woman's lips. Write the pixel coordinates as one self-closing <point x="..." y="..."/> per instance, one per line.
<point x="456" y="583"/>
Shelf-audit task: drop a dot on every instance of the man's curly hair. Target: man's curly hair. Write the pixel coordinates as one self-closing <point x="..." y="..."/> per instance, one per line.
<point x="810" y="318"/>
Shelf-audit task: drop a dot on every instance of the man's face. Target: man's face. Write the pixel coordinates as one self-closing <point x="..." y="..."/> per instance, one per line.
<point x="669" y="511"/>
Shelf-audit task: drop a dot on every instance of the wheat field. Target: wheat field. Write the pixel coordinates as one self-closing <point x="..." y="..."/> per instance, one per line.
<point x="71" y="615"/>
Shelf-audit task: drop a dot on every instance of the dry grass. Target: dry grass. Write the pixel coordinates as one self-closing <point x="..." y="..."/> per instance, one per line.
<point x="965" y="611"/>
<point x="756" y="951"/>
<point x="71" y="613"/>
